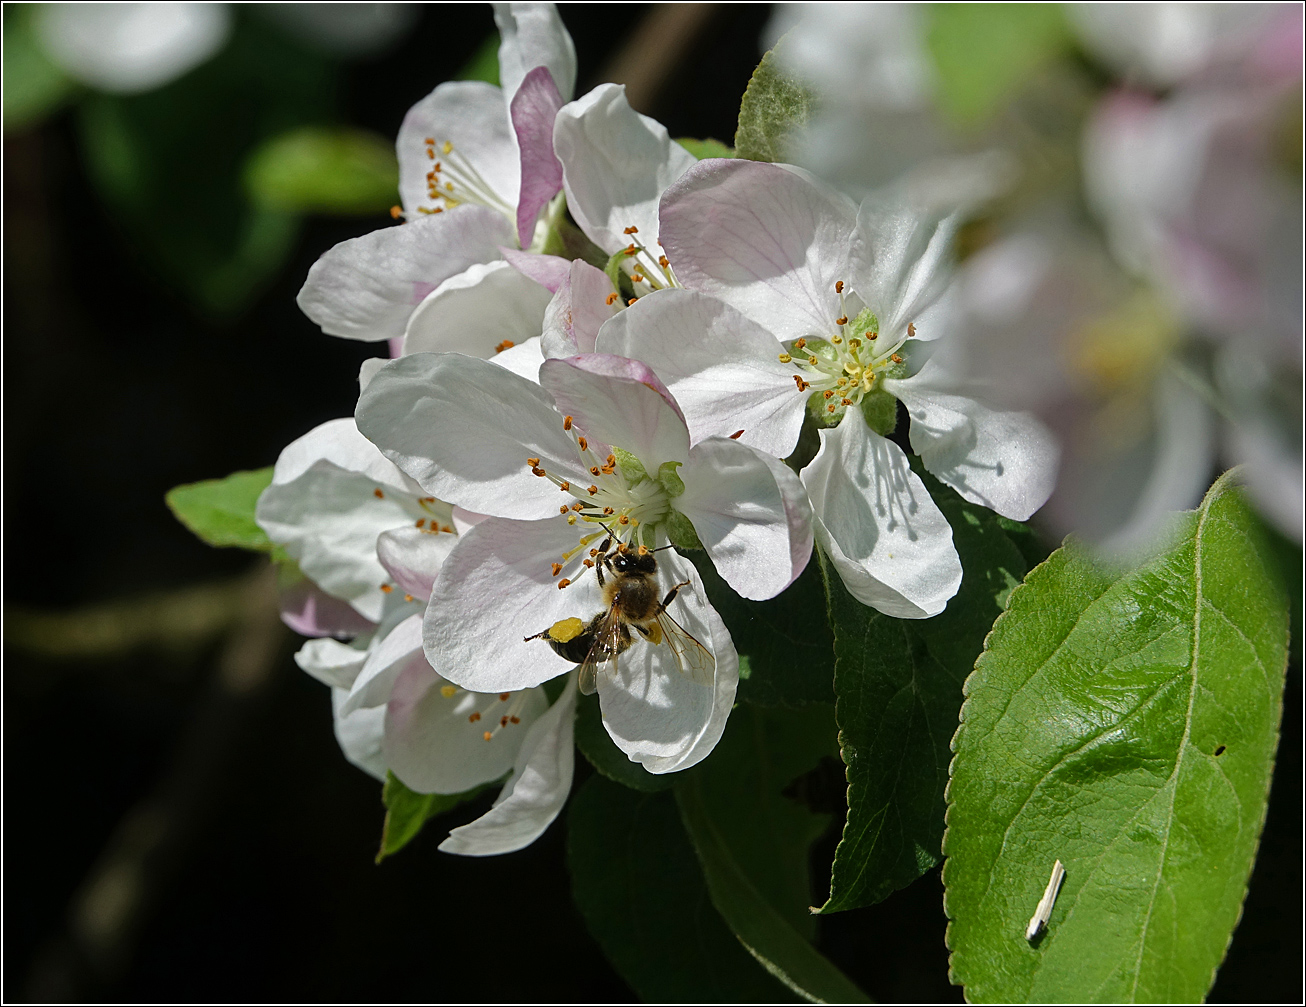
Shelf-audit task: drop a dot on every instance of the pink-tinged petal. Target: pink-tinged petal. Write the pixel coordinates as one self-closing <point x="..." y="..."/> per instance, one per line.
<point x="751" y="514"/>
<point x="620" y="402"/>
<point x="477" y="312"/>
<point x="583" y="302"/>
<point x="471" y="116"/>
<point x="464" y="428"/>
<point x="616" y="164"/>
<point x="900" y="261"/>
<point x="496" y="588"/>
<point x="887" y="538"/>
<point x="412" y="556"/>
<point x="310" y="611"/>
<point x="359" y="735"/>
<point x="331" y="662"/>
<point x="533" y="109"/>
<point x="524" y="359"/>
<point x="534" y="794"/>
<point x="386" y="659"/>
<point x="531" y="35"/>
<point x="659" y="716"/>
<point x="1003" y="460"/>
<point x="435" y="747"/>
<point x="770" y="242"/>
<point x="723" y="368"/>
<point x="338" y="442"/>
<point x="366" y="288"/>
<point x="464" y="520"/>
<point x="547" y="270"/>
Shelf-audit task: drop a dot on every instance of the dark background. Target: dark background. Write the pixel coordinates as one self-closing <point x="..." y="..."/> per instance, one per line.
<point x="261" y="884"/>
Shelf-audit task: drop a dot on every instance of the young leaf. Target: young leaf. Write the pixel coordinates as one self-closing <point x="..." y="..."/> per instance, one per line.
<point x="316" y="169"/>
<point x="221" y="511"/>
<point x="598" y="747"/>
<point x="705" y="148"/>
<point x="753" y="842"/>
<point x="774" y="106"/>
<point x="785" y="646"/>
<point x="636" y="882"/>
<point x="899" y="689"/>
<point x="406" y="811"/>
<point x="1125" y="724"/>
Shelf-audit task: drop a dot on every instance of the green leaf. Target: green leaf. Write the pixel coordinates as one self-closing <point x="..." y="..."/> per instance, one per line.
<point x="753" y="842"/>
<point x="406" y="811"/>
<point x="705" y="148"/>
<point x="984" y="53"/>
<point x="315" y="169"/>
<point x="33" y="86"/>
<point x="168" y="164"/>
<point x="899" y="689"/>
<point x="598" y="747"/>
<point x="774" y="106"/>
<point x="638" y="885"/>
<point x="786" y="650"/>
<point x="1124" y="723"/>
<point x="484" y="63"/>
<point x="221" y="511"/>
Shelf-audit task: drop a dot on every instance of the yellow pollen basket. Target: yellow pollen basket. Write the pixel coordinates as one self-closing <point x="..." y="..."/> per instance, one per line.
<point x="566" y="630"/>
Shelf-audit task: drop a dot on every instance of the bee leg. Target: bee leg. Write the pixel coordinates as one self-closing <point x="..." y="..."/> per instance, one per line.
<point x="538" y="636"/>
<point x="598" y="568"/>
<point x="671" y="595"/>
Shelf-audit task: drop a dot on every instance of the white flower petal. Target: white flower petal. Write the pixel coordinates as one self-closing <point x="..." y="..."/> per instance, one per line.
<point x="328" y="520"/>
<point x="889" y="541"/>
<point x="495" y="589"/>
<point x="476" y="311"/>
<point x="751" y="514"/>
<point x="532" y="34"/>
<point x="524" y="359"/>
<point x="722" y="367"/>
<point x="470" y="115"/>
<point x="359" y="735"/>
<point x="386" y="659"/>
<point x="433" y="745"/>
<point x="412" y="556"/>
<point x="338" y="442"/>
<point x="615" y="165"/>
<point x="463" y="428"/>
<point x="366" y="288"/>
<point x="331" y="662"/>
<point x="1003" y="460"/>
<point x="767" y="240"/>
<point x="620" y="402"/>
<point x="536" y="791"/>
<point x="655" y="714"/>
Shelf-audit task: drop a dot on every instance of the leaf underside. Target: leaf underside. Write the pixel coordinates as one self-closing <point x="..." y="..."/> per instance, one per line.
<point x="774" y="106"/>
<point x="221" y="511"/>
<point x="1125" y="724"/>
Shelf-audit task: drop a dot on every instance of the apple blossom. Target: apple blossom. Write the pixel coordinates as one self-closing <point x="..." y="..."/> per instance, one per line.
<point x="803" y="305"/>
<point x="598" y="450"/>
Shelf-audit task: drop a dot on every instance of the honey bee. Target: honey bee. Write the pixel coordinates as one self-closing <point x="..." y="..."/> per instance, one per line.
<point x="630" y="597"/>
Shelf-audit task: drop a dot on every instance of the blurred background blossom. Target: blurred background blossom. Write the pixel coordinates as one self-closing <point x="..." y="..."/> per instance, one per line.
<point x="1133" y="271"/>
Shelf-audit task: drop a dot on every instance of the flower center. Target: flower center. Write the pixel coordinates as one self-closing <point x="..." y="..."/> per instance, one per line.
<point x="846" y="367"/>
<point x="434" y="517"/>
<point x="501" y="710"/>
<point x="620" y="501"/>
<point x="636" y="271"/>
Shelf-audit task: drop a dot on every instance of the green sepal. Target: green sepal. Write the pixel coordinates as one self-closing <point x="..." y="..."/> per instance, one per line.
<point x="702" y="149"/>
<point x="407" y="811"/>
<point x="631" y="467"/>
<point x="567" y="241"/>
<point x="881" y="411"/>
<point x="670" y="480"/>
<point x="680" y="530"/>
<point x="221" y="511"/>
<point x="774" y="106"/>
<point x="619" y="277"/>
<point x="597" y="746"/>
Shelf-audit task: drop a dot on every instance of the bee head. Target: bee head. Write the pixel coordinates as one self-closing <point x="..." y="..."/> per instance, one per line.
<point x="632" y="562"/>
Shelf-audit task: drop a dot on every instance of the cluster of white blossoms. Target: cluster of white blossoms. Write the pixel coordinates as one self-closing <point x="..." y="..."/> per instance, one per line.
<point x="508" y="501"/>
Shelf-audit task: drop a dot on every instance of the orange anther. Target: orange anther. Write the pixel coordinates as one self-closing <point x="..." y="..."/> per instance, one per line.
<point x="566" y="423"/>
<point x="387" y="588"/>
<point x="378" y="494"/>
<point x="611" y="297"/>
<point x="557" y="569"/>
<point x="584" y="444"/>
<point x="533" y="462"/>
<point x="593" y="490"/>
<point x="488" y="735"/>
<point x="537" y="471"/>
<point x="896" y="359"/>
<point x="838" y="286"/>
<point x="736" y="435"/>
<point x="474" y="718"/>
<point x="396" y="211"/>
<point x="563" y="583"/>
<point x="911" y="329"/>
<point x="841" y="320"/>
<point x="631" y="301"/>
<point x="631" y="230"/>
<point x="663" y="261"/>
<point x="421" y="521"/>
<point x="507" y="344"/>
<point x="564" y="486"/>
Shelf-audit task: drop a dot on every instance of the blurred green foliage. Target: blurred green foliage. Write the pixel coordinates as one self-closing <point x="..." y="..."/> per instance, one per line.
<point x="33" y="86"/>
<point x="317" y="169"/>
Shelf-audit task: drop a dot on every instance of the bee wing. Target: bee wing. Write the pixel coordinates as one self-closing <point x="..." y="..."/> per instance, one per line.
<point x="693" y="659"/>
<point x="606" y="645"/>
